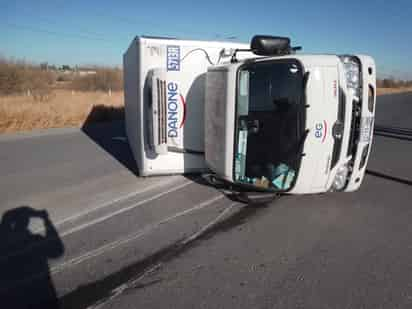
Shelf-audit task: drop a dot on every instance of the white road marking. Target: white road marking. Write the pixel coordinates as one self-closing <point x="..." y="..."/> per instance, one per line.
<point x="123" y="287"/>
<point x="207" y="226"/>
<point x="115" y="244"/>
<point x="117" y="212"/>
<point x="106" y="204"/>
<point x="98" y="220"/>
<point x="101" y="250"/>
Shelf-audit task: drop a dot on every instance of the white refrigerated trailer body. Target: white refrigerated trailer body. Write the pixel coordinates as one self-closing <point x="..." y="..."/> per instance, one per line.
<point x="165" y="82"/>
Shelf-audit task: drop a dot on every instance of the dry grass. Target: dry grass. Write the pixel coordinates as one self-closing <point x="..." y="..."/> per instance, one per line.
<point x="67" y="109"/>
<point x="393" y="90"/>
<point x="103" y="80"/>
<point x="63" y="109"/>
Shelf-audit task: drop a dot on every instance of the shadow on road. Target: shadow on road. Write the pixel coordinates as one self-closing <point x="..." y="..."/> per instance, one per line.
<point x="25" y="280"/>
<point x="233" y="192"/>
<point x="389" y="177"/>
<point x="106" y="127"/>
<point x="96" y="294"/>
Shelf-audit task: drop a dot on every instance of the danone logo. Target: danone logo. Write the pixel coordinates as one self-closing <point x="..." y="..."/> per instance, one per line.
<point x="176" y="110"/>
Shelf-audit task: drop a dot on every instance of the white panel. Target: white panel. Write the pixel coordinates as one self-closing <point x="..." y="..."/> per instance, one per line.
<point x="131" y="99"/>
<point x="187" y="63"/>
<point x="215" y="119"/>
<point x="320" y="118"/>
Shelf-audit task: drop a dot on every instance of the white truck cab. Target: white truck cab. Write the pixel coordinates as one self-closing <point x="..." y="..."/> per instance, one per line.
<point x="263" y="118"/>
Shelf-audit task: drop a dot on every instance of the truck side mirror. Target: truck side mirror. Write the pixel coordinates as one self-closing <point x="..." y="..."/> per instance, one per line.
<point x="266" y="45"/>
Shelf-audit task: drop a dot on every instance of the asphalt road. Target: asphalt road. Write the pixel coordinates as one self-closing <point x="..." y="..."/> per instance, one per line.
<point x="114" y="240"/>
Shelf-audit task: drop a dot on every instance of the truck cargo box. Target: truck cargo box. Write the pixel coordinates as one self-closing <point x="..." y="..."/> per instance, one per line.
<point x="164" y="91"/>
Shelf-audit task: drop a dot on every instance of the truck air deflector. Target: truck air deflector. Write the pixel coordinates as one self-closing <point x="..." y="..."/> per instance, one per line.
<point x="265" y="45"/>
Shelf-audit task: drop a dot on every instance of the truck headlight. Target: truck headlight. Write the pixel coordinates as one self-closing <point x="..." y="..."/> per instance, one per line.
<point x="352" y="74"/>
<point x="340" y="179"/>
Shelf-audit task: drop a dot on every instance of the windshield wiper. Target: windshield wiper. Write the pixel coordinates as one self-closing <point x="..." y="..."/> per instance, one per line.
<point x="301" y="124"/>
<point x="302" y="142"/>
<point x="305" y="83"/>
<point x="297" y="147"/>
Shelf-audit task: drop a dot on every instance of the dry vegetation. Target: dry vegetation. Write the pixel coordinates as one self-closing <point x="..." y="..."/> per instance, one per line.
<point x="393" y="90"/>
<point x="63" y="109"/>
<point x="34" y="97"/>
<point x="391" y="85"/>
<point x="37" y="96"/>
<point x="20" y="77"/>
<point x="104" y="80"/>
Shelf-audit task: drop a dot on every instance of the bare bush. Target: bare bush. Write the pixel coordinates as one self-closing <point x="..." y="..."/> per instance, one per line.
<point x="62" y="77"/>
<point x="19" y="113"/>
<point x="39" y="83"/>
<point x="23" y="78"/>
<point x="12" y="77"/>
<point x="104" y="79"/>
<point x="393" y="83"/>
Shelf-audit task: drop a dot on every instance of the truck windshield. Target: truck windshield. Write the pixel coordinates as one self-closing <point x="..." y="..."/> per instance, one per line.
<point x="270" y="124"/>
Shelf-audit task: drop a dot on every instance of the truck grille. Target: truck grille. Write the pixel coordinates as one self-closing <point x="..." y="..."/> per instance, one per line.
<point x="354" y="128"/>
<point x="162" y="111"/>
<point x="337" y="146"/>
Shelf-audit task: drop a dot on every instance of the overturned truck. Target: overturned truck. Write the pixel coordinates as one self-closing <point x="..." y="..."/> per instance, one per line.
<point x="260" y="116"/>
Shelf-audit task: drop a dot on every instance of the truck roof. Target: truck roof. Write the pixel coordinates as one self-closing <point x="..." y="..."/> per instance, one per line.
<point x="197" y="43"/>
<point x="308" y="59"/>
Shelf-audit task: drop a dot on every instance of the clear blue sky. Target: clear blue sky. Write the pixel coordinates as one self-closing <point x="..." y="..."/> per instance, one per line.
<point x="99" y="31"/>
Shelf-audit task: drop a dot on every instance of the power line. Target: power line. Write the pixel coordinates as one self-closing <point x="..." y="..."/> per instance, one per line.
<point x="50" y="21"/>
<point x="58" y="33"/>
<point x="99" y="13"/>
<point x="53" y="22"/>
<point x="147" y="23"/>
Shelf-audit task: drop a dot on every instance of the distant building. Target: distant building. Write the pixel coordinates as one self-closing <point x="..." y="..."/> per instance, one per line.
<point x="82" y="71"/>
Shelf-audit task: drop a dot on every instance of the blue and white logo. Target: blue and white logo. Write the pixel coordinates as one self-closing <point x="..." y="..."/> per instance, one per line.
<point x="173" y="58"/>
<point x="176" y="110"/>
<point x="321" y="128"/>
